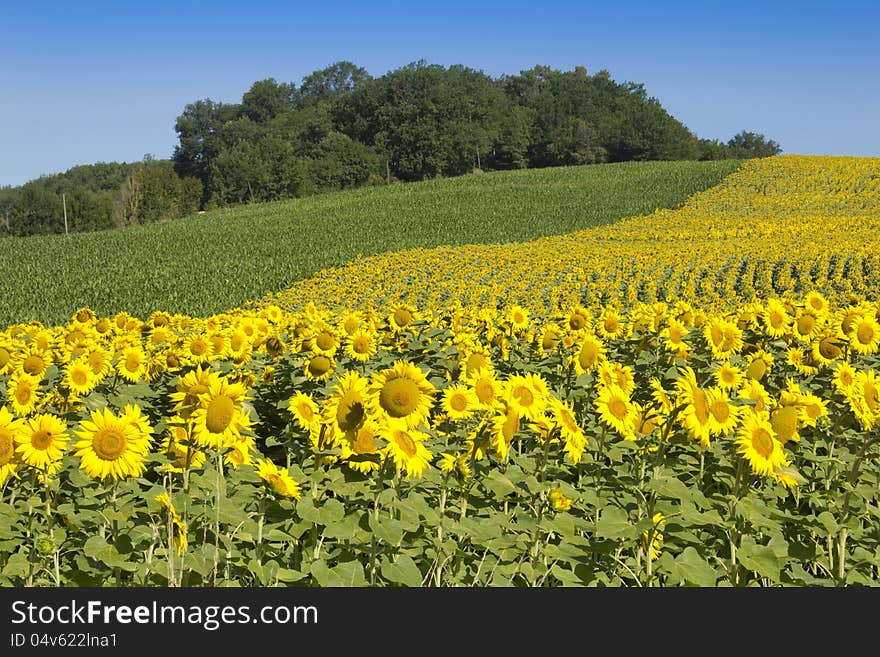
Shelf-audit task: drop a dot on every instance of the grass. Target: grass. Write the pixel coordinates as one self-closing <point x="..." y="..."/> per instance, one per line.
<point x="211" y="262"/>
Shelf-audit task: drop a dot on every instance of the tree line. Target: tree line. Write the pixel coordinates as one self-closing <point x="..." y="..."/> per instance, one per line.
<point x="342" y="128"/>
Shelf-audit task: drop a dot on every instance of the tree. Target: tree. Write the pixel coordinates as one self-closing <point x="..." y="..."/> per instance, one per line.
<point x="266" y="99"/>
<point x="197" y="128"/>
<point x="750" y="144"/>
<point x="328" y="83"/>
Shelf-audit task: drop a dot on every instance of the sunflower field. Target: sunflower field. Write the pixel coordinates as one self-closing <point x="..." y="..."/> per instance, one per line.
<point x="685" y="398"/>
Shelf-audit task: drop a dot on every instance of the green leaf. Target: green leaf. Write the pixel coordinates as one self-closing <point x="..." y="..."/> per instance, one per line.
<point x="348" y="573"/>
<point x="761" y="559"/>
<point x="402" y="571"/>
<point x="614" y="523"/>
<point x="387" y="530"/>
<point x="498" y="484"/>
<point x="828" y="522"/>
<point x="694" y="569"/>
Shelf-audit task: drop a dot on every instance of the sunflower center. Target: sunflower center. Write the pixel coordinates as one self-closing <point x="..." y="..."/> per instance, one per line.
<point x="524" y="396"/>
<point x="7" y="451"/>
<point x="361" y="345"/>
<point x="109" y="443"/>
<point x="617" y="408"/>
<point x="79" y="377"/>
<point x="717" y="335"/>
<point x="406" y="443"/>
<point x="784" y="422"/>
<point x="4" y="357"/>
<point x="22" y="394"/>
<point x="577" y="322"/>
<point x="219" y="414"/>
<point x="41" y="439"/>
<point x="402" y="316"/>
<point x="805" y="324"/>
<point x="458" y="402"/>
<point x="701" y="408"/>
<point x="325" y="341"/>
<point x="364" y="443"/>
<point x="720" y="410"/>
<point x="350" y="415"/>
<point x="33" y="364"/>
<point x="319" y="365"/>
<point x="611" y="325"/>
<point x="198" y="348"/>
<point x="132" y="362"/>
<point x="399" y="397"/>
<point x="587" y="355"/>
<point x="865" y="333"/>
<point x="762" y="441"/>
<point x="777" y="319"/>
<point x="510" y="426"/>
<point x="485" y="391"/>
<point x="306" y="411"/>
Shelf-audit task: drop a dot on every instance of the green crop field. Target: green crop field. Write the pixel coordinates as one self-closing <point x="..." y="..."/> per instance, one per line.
<point x="215" y="261"/>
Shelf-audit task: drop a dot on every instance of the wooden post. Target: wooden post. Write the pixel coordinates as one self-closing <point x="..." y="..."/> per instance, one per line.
<point x="250" y="189"/>
<point x="64" y="203"/>
<point x="387" y="172"/>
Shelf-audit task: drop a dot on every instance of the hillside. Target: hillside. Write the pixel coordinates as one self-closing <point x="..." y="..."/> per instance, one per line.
<point x="211" y="262"/>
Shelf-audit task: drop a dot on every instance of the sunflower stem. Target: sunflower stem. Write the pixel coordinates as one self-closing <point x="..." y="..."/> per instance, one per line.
<point x="217" y="497"/>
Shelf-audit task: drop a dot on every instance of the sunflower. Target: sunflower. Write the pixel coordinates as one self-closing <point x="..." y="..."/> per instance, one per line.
<point x="864" y="398"/>
<point x="219" y="418"/>
<point x="812" y="408"/>
<point x="178" y="527"/>
<point x="696" y="416"/>
<point x="776" y="318"/>
<point x="35" y="362"/>
<point x="459" y="401"/>
<point x="729" y="377"/>
<point x="304" y="410"/>
<point x="475" y="358"/>
<point x="655" y="536"/>
<point x="815" y="302"/>
<point x="806" y="324"/>
<point x="486" y="388"/>
<point x="401" y="393"/>
<point x="131" y="364"/>
<point x="278" y="479"/>
<point x="7" y="351"/>
<point x="760" y="363"/>
<point x="110" y="446"/>
<point x="610" y="325"/>
<point x="578" y="319"/>
<point x="363" y="454"/>
<point x="844" y="377"/>
<point x="615" y="374"/>
<point x="503" y="429"/>
<point x="79" y="377"/>
<point x="827" y="348"/>
<point x="319" y="367"/>
<point x="23" y="393"/>
<point x="361" y="346"/>
<point x="590" y="355"/>
<point x="352" y="323"/>
<point x="723" y="415"/>
<point x="756" y="392"/>
<point x="674" y="337"/>
<point x="188" y="388"/>
<point x="757" y="443"/>
<point x="518" y="318"/>
<point x="660" y="397"/>
<point x="563" y="418"/>
<point x="9" y="427"/>
<point x="99" y="361"/>
<point x="322" y="340"/>
<point x="41" y="442"/>
<point x="864" y="334"/>
<point x="527" y="394"/>
<point x="406" y="447"/>
<point x="548" y="339"/>
<point x="800" y="361"/>
<point x="345" y="411"/>
<point x="177" y="446"/>
<point x="558" y="500"/>
<point x="197" y="349"/>
<point x="616" y="410"/>
<point x="402" y="316"/>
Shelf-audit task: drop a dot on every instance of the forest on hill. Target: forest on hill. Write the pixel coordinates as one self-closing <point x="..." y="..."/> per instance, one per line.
<point x="342" y="128"/>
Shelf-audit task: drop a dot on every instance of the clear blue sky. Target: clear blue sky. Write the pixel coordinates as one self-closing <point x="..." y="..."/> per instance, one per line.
<point x="89" y="81"/>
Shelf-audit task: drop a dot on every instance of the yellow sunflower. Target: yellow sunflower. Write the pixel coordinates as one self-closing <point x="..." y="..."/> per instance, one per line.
<point x="864" y="334"/>
<point x="304" y="410"/>
<point x="278" y="479"/>
<point x="459" y="402"/>
<point x="42" y="441"/>
<point x="406" y="447"/>
<point x="361" y="346"/>
<point x="23" y="393"/>
<point x="527" y="394"/>
<point x="131" y="364"/>
<point x="9" y="428"/>
<point x="319" y="367"/>
<point x="616" y="410"/>
<point x="219" y="418"/>
<point x="401" y="393"/>
<point x="110" y="446"/>
<point x="486" y="387"/>
<point x="345" y="411"/>
<point x="757" y="443"/>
